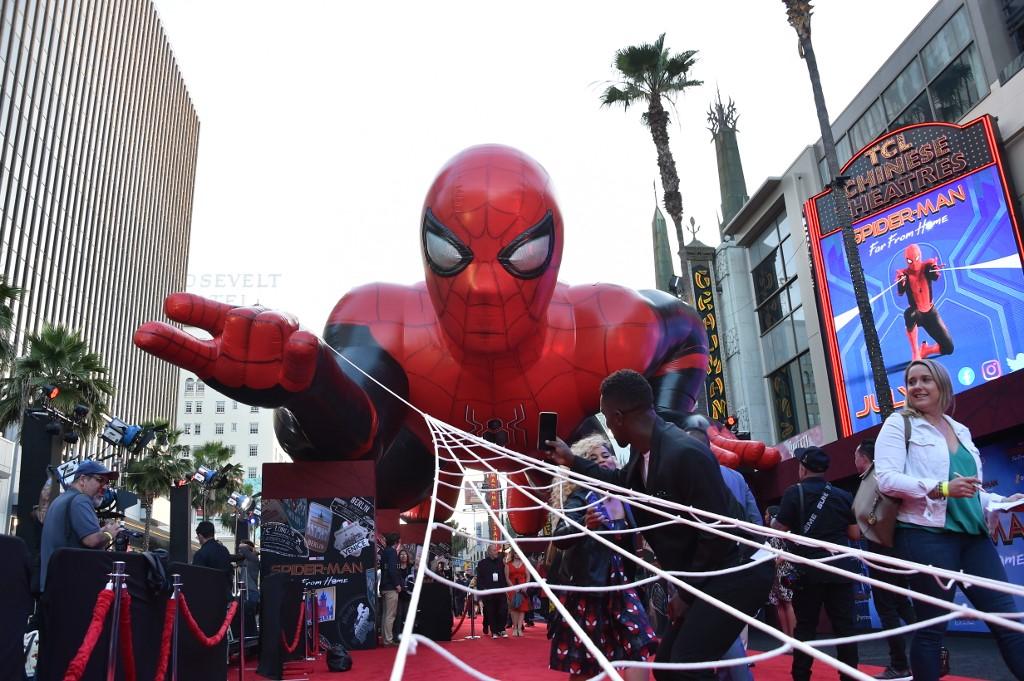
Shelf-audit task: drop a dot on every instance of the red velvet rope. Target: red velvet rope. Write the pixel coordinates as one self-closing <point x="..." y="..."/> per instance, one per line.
<point x="298" y="631"/>
<point x="165" y="641"/>
<point x="125" y="634"/>
<point x="99" y="614"/>
<point x="208" y="641"/>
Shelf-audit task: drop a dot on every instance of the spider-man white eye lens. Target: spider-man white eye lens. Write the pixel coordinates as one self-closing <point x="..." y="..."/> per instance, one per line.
<point x="529" y="253"/>
<point x="446" y="255"/>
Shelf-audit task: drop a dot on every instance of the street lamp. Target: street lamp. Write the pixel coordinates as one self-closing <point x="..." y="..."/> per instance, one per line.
<point x="799" y="14"/>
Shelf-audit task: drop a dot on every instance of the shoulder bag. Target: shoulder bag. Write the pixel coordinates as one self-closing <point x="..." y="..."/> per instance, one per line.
<point x="876" y="512"/>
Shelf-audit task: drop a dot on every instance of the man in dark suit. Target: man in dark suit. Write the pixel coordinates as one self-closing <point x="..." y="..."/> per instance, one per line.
<point x="668" y="464"/>
<point x="212" y="554"/>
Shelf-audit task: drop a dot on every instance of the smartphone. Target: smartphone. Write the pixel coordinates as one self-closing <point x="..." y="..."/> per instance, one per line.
<point x="593" y="498"/>
<point x="547" y="424"/>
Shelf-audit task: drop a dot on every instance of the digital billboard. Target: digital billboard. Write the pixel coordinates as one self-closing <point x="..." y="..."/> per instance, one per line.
<point x="940" y="245"/>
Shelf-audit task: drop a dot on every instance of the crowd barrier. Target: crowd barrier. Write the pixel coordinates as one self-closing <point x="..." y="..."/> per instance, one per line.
<point x="17" y="600"/>
<point x="79" y="631"/>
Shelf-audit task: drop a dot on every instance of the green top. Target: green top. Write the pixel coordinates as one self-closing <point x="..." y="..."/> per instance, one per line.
<point x="962" y="515"/>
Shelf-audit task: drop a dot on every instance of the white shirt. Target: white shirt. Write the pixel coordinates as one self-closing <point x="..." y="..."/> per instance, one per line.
<point x="911" y="472"/>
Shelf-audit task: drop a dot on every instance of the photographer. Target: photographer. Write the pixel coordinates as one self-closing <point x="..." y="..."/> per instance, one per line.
<point x="71" y="519"/>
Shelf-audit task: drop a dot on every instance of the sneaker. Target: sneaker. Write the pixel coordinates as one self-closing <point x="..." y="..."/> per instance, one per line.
<point x="494" y="636"/>
<point x="893" y="673"/>
<point x="504" y="634"/>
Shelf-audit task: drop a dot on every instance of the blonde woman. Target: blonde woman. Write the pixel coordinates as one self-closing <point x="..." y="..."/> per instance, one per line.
<point x="615" y="620"/>
<point x="935" y="470"/>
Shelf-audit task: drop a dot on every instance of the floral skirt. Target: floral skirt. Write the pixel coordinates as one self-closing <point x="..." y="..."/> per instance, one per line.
<point x="615" y="621"/>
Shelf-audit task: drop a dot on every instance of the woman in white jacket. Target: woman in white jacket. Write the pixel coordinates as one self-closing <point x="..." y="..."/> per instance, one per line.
<point x="941" y="519"/>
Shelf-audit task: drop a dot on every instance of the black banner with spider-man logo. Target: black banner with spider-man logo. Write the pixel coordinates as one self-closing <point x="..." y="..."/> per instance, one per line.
<point x="714" y="384"/>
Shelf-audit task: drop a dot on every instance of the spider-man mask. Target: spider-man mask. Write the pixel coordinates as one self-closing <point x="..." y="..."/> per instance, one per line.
<point x="492" y="244"/>
<point x="913" y="255"/>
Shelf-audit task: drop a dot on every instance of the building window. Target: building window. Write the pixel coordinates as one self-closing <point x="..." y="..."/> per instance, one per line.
<point x="253" y="450"/>
<point x="219" y="408"/>
<point x="218" y="429"/>
<point x="947" y="44"/>
<point x="199" y="407"/>
<point x="794" y="400"/>
<point x="200" y="389"/>
<point x="199" y="429"/>
<point x="254" y="429"/>
<point x="254" y="410"/>
<point x="188" y="429"/>
<point x="907" y="86"/>
<point x="190" y="387"/>
<point x="959" y="87"/>
<point x="869" y="126"/>
<point x="188" y="407"/>
<point x="234" y="427"/>
<point x="234" y="404"/>
<point x="252" y="472"/>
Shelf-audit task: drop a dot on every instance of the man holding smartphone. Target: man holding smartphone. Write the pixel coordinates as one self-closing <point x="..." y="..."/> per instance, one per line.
<point x="668" y="464"/>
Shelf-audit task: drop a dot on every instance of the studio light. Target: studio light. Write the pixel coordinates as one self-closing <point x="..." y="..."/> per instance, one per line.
<point x="52" y="428"/>
<point x="113" y="431"/>
<point x="240" y="501"/>
<point x="204" y="476"/>
<point x="50" y="392"/>
<point x="71" y="437"/>
<point x="81" y="411"/>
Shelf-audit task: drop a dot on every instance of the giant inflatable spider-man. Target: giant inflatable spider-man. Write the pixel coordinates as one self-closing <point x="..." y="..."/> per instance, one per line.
<point x="486" y="342"/>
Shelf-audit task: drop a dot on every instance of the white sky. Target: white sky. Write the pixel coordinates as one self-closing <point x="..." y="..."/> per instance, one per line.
<point x="324" y="123"/>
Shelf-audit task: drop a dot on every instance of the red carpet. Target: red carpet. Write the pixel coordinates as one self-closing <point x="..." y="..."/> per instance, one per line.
<point x="511" y="659"/>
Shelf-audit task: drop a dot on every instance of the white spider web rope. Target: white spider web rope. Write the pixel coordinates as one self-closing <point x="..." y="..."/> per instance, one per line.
<point x="463" y="448"/>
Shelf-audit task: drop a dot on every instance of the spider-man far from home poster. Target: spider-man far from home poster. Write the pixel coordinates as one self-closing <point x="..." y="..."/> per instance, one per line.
<point x="942" y="267"/>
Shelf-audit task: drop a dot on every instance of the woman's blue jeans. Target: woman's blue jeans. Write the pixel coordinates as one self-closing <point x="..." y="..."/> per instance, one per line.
<point x="975" y="555"/>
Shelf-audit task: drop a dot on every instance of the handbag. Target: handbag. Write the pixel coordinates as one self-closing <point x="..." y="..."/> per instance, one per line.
<point x="876" y="512"/>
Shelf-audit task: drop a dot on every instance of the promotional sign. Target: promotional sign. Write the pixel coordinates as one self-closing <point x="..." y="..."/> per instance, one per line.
<point x="940" y="245"/>
<point x="329" y="544"/>
<point x="714" y="384"/>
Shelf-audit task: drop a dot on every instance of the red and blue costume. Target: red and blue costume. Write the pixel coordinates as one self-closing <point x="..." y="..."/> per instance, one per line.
<point x="915" y="281"/>
<point x="488" y="340"/>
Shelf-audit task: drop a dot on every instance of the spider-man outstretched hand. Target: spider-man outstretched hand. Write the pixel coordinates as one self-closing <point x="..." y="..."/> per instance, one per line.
<point x="488" y="341"/>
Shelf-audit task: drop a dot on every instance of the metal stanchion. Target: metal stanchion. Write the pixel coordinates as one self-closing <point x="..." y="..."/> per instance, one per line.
<point x="242" y="593"/>
<point x="117" y="578"/>
<point x="308" y="634"/>
<point x="472" y="618"/>
<point x="174" y="629"/>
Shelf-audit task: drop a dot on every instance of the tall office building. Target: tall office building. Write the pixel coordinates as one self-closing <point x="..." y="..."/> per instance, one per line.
<point x="98" y="140"/>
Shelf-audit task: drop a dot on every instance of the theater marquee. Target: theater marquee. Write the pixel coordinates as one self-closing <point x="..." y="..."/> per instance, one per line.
<point x="940" y="243"/>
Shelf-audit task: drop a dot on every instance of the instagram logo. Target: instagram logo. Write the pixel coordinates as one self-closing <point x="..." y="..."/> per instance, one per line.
<point x="991" y="369"/>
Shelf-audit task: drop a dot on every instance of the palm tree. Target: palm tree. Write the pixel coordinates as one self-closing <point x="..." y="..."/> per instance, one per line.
<point x="215" y="455"/>
<point x="799" y="14"/>
<point x="58" y="356"/>
<point x="651" y="75"/>
<point x="8" y="295"/>
<point x="159" y="468"/>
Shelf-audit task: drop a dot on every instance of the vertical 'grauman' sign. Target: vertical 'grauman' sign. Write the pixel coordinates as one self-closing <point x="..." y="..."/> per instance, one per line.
<point x="714" y="384"/>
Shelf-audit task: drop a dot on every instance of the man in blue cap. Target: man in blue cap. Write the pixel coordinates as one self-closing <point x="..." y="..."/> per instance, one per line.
<point x="71" y="519"/>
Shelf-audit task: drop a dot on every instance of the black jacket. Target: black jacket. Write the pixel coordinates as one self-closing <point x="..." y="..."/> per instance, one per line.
<point x="682" y="470"/>
<point x="485" y="571"/>
<point x="585" y="560"/>
<point x="390" y="579"/>
<point x="215" y="555"/>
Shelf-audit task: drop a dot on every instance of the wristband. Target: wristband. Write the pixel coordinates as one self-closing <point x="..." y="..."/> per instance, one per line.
<point x="110" y="537"/>
<point x="944" y="488"/>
